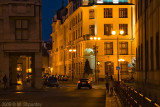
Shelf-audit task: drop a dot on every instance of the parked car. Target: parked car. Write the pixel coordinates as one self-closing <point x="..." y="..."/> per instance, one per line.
<point x="65" y="78"/>
<point x="52" y="81"/>
<point x="84" y="83"/>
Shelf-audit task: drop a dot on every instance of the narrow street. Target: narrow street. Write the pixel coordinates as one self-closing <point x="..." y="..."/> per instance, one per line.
<point x="65" y="96"/>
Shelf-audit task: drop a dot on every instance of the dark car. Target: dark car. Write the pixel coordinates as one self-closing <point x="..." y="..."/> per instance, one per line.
<point x="52" y="81"/>
<point x="84" y="83"/>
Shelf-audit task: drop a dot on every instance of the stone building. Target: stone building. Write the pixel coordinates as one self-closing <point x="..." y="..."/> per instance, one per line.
<point x="148" y="48"/>
<point x="110" y="22"/>
<point x="20" y="42"/>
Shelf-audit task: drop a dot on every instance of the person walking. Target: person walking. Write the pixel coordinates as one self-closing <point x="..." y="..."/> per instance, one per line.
<point x="107" y="83"/>
<point x="5" y="81"/>
<point x="111" y="85"/>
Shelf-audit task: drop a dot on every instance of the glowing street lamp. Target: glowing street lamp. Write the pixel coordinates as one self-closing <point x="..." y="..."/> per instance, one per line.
<point x="72" y="50"/>
<point x="95" y="47"/>
<point x="113" y="32"/>
<point x="121" y="32"/>
<point x="118" y="60"/>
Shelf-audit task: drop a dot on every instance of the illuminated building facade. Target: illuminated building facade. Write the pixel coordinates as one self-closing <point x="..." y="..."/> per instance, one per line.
<point x="20" y="42"/>
<point x="148" y="48"/>
<point x="75" y="24"/>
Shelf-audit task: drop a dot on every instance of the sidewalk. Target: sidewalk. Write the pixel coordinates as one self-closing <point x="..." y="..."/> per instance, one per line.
<point x="112" y="100"/>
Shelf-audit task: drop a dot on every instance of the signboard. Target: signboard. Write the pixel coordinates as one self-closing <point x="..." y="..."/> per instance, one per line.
<point x="117" y="68"/>
<point x="115" y="1"/>
<point x="129" y="65"/>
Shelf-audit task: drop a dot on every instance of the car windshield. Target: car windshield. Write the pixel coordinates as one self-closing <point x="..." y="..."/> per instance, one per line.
<point x="52" y="79"/>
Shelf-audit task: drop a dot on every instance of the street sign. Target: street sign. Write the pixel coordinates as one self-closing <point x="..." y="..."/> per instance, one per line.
<point x="117" y="68"/>
<point x="129" y="65"/>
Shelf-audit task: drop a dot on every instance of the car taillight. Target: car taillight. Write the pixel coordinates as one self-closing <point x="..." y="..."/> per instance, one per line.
<point x="89" y="82"/>
<point x="79" y="82"/>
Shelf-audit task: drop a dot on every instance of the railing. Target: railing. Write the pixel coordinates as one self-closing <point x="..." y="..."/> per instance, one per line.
<point x="131" y="98"/>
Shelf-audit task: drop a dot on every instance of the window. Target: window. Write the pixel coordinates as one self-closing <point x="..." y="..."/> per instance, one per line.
<point x="123" y="48"/>
<point x="108" y="29"/>
<point x="21" y="30"/>
<point x="108" y="48"/>
<point x="91" y="30"/>
<point x="124" y="67"/>
<point x="107" y="12"/>
<point x="91" y="13"/>
<point x="123" y="13"/>
<point x="124" y="27"/>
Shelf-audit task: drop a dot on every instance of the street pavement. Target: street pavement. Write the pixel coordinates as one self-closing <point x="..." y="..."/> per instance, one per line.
<point x="67" y="95"/>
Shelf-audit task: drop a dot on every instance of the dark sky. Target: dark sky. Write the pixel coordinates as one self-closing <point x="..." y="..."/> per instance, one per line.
<point x="48" y="9"/>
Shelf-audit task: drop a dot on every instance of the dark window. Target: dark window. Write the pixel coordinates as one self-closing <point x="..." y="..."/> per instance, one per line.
<point x="123" y="13"/>
<point x="108" y="13"/>
<point x="91" y="29"/>
<point x="123" y="48"/>
<point x="108" y="48"/>
<point x="91" y="13"/>
<point x="108" y="29"/>
<point x="124" y="27"/>
<point x="21" y="30"/>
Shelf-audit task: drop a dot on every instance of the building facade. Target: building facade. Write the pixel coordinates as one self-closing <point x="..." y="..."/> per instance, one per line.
<point x="148" y="48"/>
<point x="20" y="42"/>
<point x="111" y="24"/>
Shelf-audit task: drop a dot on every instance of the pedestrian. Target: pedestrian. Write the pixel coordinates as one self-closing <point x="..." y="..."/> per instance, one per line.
<point x="107" y="83"/>
<point x="111" y="85"/>
<point x="5" y="81"/>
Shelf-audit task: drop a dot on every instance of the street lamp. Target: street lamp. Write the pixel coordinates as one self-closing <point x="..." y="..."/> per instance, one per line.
<point x="95" y="49"/>
<point x="120" y="60"/>
<point x="72" y="50"/>
<point x="121" y="33"/>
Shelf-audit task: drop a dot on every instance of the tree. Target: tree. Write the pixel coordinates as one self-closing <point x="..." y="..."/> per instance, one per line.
<point x="87" y="69"/>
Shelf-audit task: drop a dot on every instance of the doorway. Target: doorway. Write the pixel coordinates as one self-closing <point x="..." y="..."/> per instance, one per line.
<point x="109" y="68"/>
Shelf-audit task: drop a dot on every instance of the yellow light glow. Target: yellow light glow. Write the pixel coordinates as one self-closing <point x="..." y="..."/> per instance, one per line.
<point x="29" y="70"/>
<point x="74" y="50"/>
<point x="121" y="32"/>
<point x="121" y="60"/>
<point x="113" y="32"/>
<point x="91" y="38"/>
<point x="70" y="50"/>
<point x="19" y="82"/>
<point x="19" y="92"/>
<point x="95" y="38"/>
<point x="18" y="69"/>
<point x="99" y="38"/>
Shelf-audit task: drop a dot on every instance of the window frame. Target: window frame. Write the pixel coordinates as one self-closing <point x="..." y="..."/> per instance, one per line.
<point x="106" y="48"/>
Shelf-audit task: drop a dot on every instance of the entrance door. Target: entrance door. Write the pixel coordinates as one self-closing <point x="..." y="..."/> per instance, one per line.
<point x="109" y="68"/>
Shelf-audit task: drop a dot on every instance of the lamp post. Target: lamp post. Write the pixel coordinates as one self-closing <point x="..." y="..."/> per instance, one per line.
<point x="121" y="33"/>
<point x="72" y="51"/>
<point x="95" y="49"/>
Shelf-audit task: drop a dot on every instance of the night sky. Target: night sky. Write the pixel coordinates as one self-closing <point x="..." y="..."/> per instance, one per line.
<point x="48" y="9"/>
